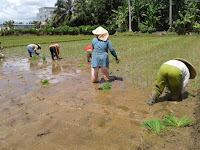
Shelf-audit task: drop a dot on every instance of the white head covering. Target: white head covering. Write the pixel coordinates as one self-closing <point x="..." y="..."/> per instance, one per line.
<point x="57" y="45"/>
<point x="101" y="33"/>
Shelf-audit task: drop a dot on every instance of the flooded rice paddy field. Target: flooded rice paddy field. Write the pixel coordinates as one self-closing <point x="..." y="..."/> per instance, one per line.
<point x="71" y="113"/>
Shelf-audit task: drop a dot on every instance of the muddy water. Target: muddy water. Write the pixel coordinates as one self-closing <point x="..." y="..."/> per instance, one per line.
<point x="71" y="113"/>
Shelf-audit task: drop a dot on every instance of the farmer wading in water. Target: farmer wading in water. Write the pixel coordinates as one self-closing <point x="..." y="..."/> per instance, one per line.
<point x="100" y="59"/>
<point x="175" y="74"/>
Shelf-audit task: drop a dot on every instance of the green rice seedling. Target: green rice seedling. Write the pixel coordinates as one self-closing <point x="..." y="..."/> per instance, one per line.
<point x="80" y="65"/>
<point x="44" y="82"/>
<point x="34" y="58"/>
<point x="44" y="58"/>
<point x="106" y="87"/>
<point x="154" y="126"/>
<point x="174" y="121"/>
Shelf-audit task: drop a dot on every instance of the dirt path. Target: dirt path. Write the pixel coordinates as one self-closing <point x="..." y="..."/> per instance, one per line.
<point x="71" y="113"/>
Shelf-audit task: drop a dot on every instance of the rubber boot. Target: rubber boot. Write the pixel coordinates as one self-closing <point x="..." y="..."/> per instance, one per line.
<point x="153" y="98"/>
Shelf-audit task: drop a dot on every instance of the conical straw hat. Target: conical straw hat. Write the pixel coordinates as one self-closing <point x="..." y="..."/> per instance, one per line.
<point x="101" y="33"/>
<point x="192" y="71"/>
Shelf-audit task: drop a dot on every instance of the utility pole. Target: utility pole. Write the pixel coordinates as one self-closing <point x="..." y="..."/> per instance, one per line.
<point x="129" y="4"/>
<point x="170" y="15"/>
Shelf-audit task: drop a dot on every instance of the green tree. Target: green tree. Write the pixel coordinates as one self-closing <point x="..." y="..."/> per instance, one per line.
<point x="121" y="17"/>
<point x="63" y="11"/>
<point x="9" y="24"/>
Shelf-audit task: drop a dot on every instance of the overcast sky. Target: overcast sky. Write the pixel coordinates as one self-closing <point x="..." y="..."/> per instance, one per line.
<point x="22" y="10"/>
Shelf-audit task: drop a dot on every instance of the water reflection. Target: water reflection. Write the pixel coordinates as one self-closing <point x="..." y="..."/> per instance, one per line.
<point x="56" y="68"/>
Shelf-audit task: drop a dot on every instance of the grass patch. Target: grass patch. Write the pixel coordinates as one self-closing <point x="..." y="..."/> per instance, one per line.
<point x="106" y="87"/>
<point x="154" y="126"/>
<point x="174" y="121"/>
<point x="44" y="82"/>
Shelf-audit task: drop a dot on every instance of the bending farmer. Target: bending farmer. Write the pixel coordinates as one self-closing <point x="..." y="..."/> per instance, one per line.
<point x="175" y="74"/>
<point x="32" y="49"/>
<point x="54" y="49"/>
<point x="100" y="59"/>
<point x="89" y="49"/>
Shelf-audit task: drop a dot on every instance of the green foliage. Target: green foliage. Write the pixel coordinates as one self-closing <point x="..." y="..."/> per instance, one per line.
<point x="121" y="18"/>
<point x="154" y="126"/>
<point x="44" y="82"/>
<point x="34" y="57"/>
<point x="196" y="27"/>
<point x="188" y="18"/>
<point x="106" y="86"/>
<point x="174" y="121"/>
<point x="144" y="29"/>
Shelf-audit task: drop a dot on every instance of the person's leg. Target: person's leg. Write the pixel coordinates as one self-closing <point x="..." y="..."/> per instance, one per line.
<point x="88" y="54"/>
<point x="30" y="51"/>
<point x="161" y="81"/>
<point x="52" y="54"/>
<point x="94" y="74"/>
<point x="175" y="81"/>
<point x="105" y="73"/>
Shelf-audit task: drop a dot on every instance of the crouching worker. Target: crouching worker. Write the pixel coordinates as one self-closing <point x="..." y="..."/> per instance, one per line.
<point x="1" y="54"/>
<point x="175" y="74"/>
<point x="33" y="49"/>
<point x="54" y="49"/>
<point x="89" y="49"/>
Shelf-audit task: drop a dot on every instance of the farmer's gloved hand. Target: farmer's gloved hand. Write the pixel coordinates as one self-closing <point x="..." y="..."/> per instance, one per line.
<point x="117" y="60"/>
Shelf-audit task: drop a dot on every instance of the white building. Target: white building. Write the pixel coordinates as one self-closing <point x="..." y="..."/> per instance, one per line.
<point x="45" y="13"/>
<point x="23" y="26"/>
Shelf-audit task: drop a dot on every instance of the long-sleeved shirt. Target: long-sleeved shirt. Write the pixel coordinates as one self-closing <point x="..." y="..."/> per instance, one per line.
<point x="100" y="53"/>
<point x="34" y="46"/>
<point x="184" y="69"/>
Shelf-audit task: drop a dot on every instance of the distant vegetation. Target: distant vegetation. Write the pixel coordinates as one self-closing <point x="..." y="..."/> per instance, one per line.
<point x="147" y="16"/>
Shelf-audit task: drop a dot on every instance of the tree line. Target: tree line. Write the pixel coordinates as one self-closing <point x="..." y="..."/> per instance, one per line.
<point x="146" y="15"/>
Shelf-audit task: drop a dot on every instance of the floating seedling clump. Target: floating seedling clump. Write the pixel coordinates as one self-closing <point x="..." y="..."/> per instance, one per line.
<point x="44" y="58"/>
<point x="44" y="82"/>
<point x="34" y="58"/>
<point x="80" y="65"/>
<point x="106" y="86"/>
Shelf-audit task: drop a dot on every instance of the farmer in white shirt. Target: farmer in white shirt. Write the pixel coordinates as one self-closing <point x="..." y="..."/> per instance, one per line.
<point x="175" y="74"/>
<point x="32" y="49"/>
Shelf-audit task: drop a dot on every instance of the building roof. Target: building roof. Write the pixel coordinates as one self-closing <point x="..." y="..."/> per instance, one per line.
<point x="47" y="8"/>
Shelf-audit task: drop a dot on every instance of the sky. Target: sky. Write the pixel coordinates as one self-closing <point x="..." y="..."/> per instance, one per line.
<point x="22" y="10"/>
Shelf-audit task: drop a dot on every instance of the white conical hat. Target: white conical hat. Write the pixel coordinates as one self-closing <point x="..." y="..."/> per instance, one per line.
<point x="101" y="33"/>
<point x="192" y="71"/>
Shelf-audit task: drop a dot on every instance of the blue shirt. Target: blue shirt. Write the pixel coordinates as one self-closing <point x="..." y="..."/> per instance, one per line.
<point x="100" y="53"/>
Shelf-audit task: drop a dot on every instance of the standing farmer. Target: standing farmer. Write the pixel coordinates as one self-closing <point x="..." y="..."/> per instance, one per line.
<point x="175" y="74"/>
<point x="54" y="49"/>
<point x="32" y="49"/>
<point x="100" y="59"/>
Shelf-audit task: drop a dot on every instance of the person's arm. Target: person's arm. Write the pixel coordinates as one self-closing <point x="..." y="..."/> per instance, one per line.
<point x="112" y="50"/>
<point x="185" y="80"/>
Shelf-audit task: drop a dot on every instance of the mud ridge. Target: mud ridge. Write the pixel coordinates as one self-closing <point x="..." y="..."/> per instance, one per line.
<point x="48" y="42"/>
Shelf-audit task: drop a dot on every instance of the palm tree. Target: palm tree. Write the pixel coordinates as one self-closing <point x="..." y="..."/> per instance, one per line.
<point x="63" y="11"/>
<point x="129" y="6"/>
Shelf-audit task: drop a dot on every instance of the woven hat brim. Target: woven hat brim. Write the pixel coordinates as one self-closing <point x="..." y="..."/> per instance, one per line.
<point x="192" y="71"/>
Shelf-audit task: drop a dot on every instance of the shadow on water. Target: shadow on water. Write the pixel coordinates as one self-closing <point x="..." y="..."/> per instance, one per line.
<point x="167" y="97"/>
<point x="111" y="79"/>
